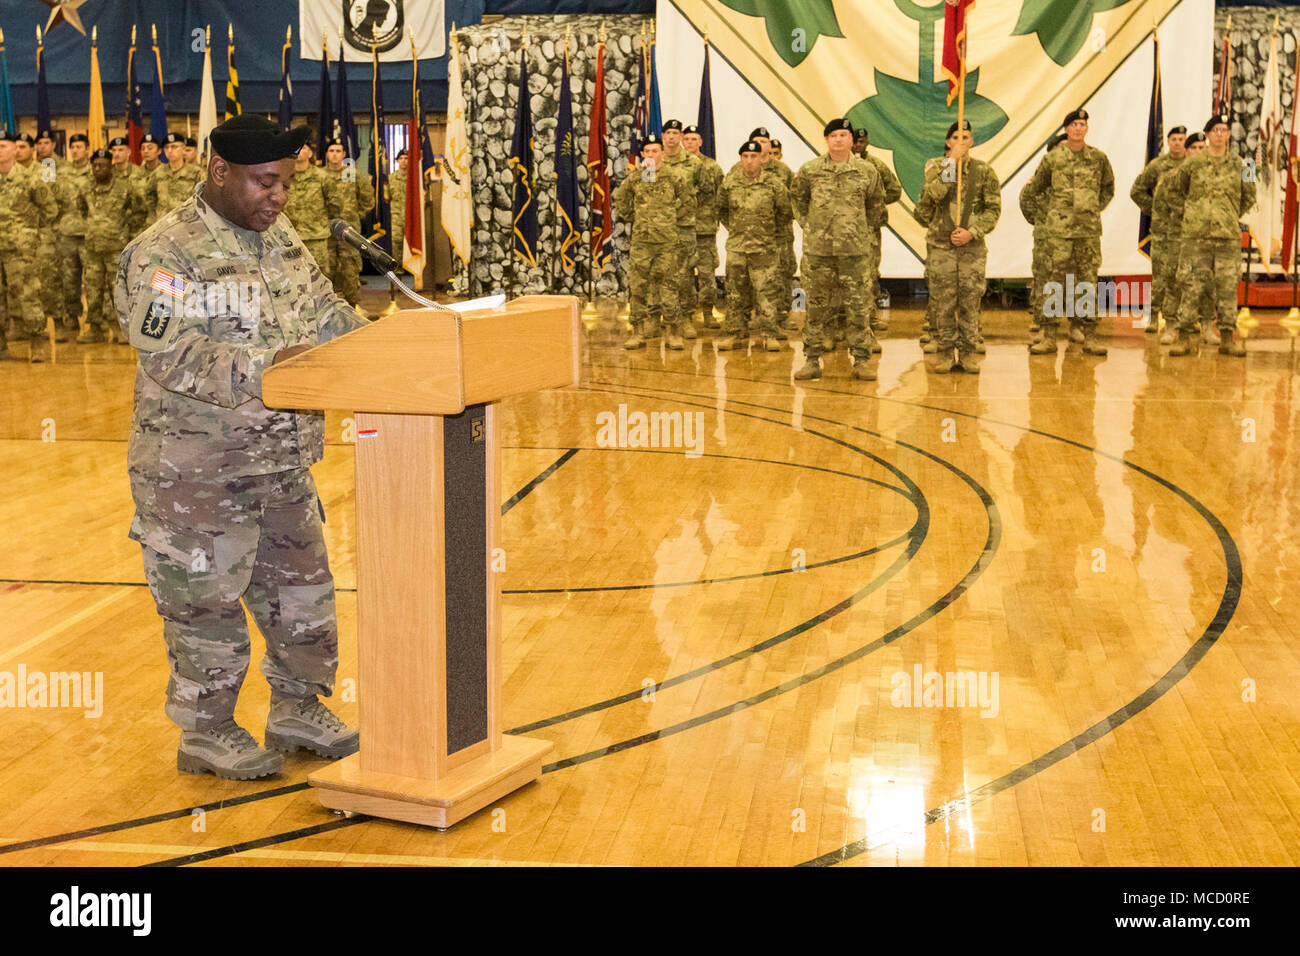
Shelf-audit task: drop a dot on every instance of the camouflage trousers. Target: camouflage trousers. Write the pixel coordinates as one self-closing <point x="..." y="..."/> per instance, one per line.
<point x="345" y="271"/>
<point x="873" y="276"/>
<point x="956" y="277"/>
<point x="1208" y="271"/>
<point x="754" y="277"/>
<point x="51" y="282"/>
<point x="687" y="253"/>
<point x="206" y="546"/>
<point x="1173" y="292"/>
<point x="823" y="277"/>
<point x="1041" y="276"/>
<point x="653" y="274"/>
<point x="788" y="266"/>
<point x="320" y="251"/>
<point x="99" y="273"/>
<point x="21" y="291"/>
<point x="70" y="274"/>
<point x="706" y="271"/>
<point x="1164" y="276"/>
<point x="1080" y="258"/>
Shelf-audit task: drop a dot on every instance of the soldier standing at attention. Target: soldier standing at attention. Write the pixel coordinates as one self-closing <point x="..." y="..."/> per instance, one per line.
<point x="1164" y="260"/>
<point x="658" y="207"/>
<point x="754" y="207"/>
<point x="46" y="249"/>
<point x="150" y="149"/>
<point x="174" y="183"/>
<point x="1033" y="209"/>
<point x="24" y="199"/>
<point x="678" y="162"/>
<point x="138" y="181"/>
<point x="314" y="199"/>
<point x="71" y="178"/>
<point x="1073" y="185"/>
<point x="893" y="192"/>
<point x="358" y="195"/>
<point x="191" y="151"/>
<point x="785" y="242"/>
<point x="956" y="255"/>
<point x="1213" y="194"/>
<point x="25" y="153"/>
<point x="837" y="198"/>
<point x="706" y="229"/>
<point x="1173" y="292"/>
<point x="397" y="207"/>
<point x="225" y="504"/>
<point x="108" y="206"/>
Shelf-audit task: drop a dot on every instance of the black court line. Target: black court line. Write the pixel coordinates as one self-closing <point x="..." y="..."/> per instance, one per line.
<point x="986" y="556"/>
<point x="527" y="489"/>
<point x="1213" y="631"/>
<point x="258" y="844"/>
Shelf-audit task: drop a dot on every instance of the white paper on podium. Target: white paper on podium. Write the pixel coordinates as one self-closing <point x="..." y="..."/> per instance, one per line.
<point x="487" y="302"/>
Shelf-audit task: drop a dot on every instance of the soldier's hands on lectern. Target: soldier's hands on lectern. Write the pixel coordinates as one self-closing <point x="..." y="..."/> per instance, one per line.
<point x="289" y="353"/>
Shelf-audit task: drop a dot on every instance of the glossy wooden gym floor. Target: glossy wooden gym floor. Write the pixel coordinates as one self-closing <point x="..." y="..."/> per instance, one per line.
<point x="721" y="645"/>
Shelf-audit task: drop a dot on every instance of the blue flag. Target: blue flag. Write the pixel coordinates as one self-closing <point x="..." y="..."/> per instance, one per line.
<point x="6" y="102"/>
<point x="378" y="223"/>
<point x="1155" y="143"/>
<point x="524" y="209"/>
<point x="157" y="108"/>
<point x="345" y="125"/>
<point x="134" y="107"/>
<point x="324" y="115"/>
<point x="704" y="116"/>
<point x="640" y="110"/>
<point x="566" y="173"/>
<point x="656" y="124"/>
<point x="42" y="94"/>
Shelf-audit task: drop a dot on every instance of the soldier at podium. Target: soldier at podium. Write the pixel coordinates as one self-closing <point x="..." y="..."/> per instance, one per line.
<point x="217" y="291"/>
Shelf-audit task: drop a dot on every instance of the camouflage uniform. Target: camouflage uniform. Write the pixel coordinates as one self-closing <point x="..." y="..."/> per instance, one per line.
<point x="315" y="198"/>
<point x="1034" y="209"/>
<point x="145" y="199"/>
<point x="1073" y="189"/>
<point x="755" y="212"/>
<point x="1155" y="202"/>
<point x="893" y="192"/>
<point x="225" y="504"/>
<point x="70" y="180"/>
<point x="174" y="186"/>
<point x="47" y="249"/>
<point x="956" y="273"/>
<point x="785" y="240"/>
<point x="345" y="262"/>
<point x="397" y="213"/>
<point x="107" y="210"/>
<point x="690" y="169"/>
<point x="1213" y="195"/>
<point x="24" y="201"/>
<point x="706" y="237"/>
<point x="838" y="205"/>
<point x="658" y="209"/>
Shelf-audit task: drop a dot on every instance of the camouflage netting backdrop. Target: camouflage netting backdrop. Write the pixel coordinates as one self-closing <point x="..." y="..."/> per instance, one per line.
<point x="490" y="64"/>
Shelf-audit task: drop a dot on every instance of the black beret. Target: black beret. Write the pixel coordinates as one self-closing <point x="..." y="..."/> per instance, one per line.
<point x="1079" y="114"/>
<point x="953" y="128"/>
<point x="673" y="124"/>
<point x="652" y="139"/>
<point x="45" y="134"/>
<point x="191" y="141"/>
<point x="400" y="154"/>
<point x="78" y="138"/>
<point x="174" y="138"/>
<point x="8" y="137"/>
<point x="118" y="141"/>
<point x="835" y="125"/>
<point x="149" y="138"/>
<point x="1195" y="138"/>
<point x="760" y="131"/>
<point x="860" y="133"/>
<point x="1215" y="120"/>
<point x="776" y="144"/>
<point x="1176" y="129"/>
<point x="26" y="138"/>
<point x="101" y="154"/>
<point x="691" y="129"/>
<point x="251" y="140"/>
<point x="750" y="147"/>
<point x="333" y="141"/>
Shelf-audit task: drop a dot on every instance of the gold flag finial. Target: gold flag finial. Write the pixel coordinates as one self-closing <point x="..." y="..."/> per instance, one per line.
<point x="38" y="34"/>
<point x="2" y="35"/>
<point x="207" y="35"/>
<point x="94" y="35"/>
<point x="153" y="27"/>
<point x="602" y="31"/>
<point x="230" y="33"/>
<point x="288" y="34"/>
<point x="133" y="34"/>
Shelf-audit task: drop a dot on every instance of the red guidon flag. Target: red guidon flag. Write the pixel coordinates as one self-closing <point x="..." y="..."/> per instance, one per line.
<point x="413" y="224"/>
<point x="1289" y="209"/>
<point x="954" y="43"/>
<point x="602" y="217"/>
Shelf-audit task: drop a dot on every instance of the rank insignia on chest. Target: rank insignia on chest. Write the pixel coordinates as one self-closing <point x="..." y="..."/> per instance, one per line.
<point x="155" y="322"/>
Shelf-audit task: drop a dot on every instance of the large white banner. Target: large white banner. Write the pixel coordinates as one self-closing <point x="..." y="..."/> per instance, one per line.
<point x="384" y="24"/>
<point x="878" y="63"/>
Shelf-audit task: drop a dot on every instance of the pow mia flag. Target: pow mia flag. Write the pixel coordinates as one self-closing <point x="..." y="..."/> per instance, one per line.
<point x="383" y="24"/>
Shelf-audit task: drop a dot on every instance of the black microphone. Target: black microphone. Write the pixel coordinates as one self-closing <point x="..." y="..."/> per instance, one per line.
<point x="343" y="232"/>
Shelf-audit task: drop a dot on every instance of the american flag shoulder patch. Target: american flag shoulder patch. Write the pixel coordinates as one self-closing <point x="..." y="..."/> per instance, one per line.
<point x="169" y="283"/>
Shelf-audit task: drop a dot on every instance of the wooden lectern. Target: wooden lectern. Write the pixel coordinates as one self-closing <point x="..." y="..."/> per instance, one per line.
<point x="423" y="384"/>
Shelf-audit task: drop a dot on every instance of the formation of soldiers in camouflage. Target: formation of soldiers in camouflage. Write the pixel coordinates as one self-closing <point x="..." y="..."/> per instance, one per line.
<point x="358" y="195"/>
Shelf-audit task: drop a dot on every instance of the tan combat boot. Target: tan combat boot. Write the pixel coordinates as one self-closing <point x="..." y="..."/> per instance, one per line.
<point x="227" y="750"/>
<point x="306" y="723"/>
<point x="1091" y="345"/>
<point x="812" y="369"/>
<point x="969" y="362"/>
<point x="1184" y="344"/>
<point x="944" y="364"/>
<point x="862" y="370"/>
<point x="1230" y="346"/>
<point x="1047" y="344"/>
<point x="673" y="337"/>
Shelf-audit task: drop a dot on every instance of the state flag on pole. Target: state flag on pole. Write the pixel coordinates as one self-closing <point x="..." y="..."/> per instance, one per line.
<point x="704" y="115"/>
<point x="566" y="172"/>
<point x="954" y="43"/>
<point x="207" y="102"/>
<point x="1155" y="144"/>
<point x="1265" y="220"/>
<point x="457" y="207"/>
<point x="286" y="85"/>
<point x="95" y="120"/>
<point x="6" y="100"/>
<point x="413" y="223"/>
<point x="1289" y="215"/>
<point x="325" y="113"/>
<point x="602" y="216"/>
<point x="640" y="109"/>
<point x="42" y="92"/>
<point x="232" y="77"/>
<point x="157" y="106"/>
<point x="134" y="106"/>
<point x="378" y="224"/>
<point x="523" y="208"/>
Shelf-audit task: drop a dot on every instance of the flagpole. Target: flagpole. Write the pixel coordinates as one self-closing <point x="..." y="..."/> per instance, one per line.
<point x="589" y="311"/>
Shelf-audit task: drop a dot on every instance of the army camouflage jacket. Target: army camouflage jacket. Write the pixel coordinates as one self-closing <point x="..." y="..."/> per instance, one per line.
<point x="981" y="200"/>
<point x="207" y="305"/>
<point x="141" y="185"/>
<point x="1211" y="195"/>
<point x="315" y="198"/>
<point x="69" y="181"/>
<point x="893" y="188"/>
<point x="754" y="211"/>
<point x="109" y="210"/>
<point x="358" y="200"/>
<point x="397" y="201"/>
<point x="840" y="206"/>
<point x="25" y="200"/>
<point x="658" y="207"/>
<point x="1073" y="189"/>
<point x="173" y="187"/>
<point x="689" y="169"/>
<point x="1151" y="199"/>
<point x="706" y="197"/>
